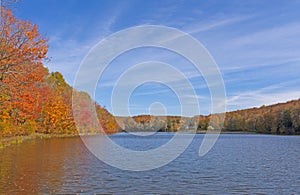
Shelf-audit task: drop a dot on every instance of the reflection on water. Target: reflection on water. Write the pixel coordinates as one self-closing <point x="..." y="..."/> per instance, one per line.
<point x="237" y="164"/>
<point x="40" y="165"/>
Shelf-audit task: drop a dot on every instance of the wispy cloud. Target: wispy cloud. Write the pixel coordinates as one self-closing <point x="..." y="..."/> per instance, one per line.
<point x="259" y="48"/>
<point x="66" y="56"/>
<point x="216" y="23"/>
<point x="276" y="34"/>
<point x="67" y="52"/>
<point x="152" y="92"/>
<point x="107" y="24"/>
<point x="264" y="96"/>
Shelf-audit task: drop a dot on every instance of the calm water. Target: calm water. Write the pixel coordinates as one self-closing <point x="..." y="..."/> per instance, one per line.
<point x="238" y="164"/>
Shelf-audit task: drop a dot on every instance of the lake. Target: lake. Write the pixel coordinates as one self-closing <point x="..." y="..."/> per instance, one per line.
<point x="237" y="164"/>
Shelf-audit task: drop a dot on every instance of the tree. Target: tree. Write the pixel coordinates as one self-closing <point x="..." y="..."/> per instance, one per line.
<point x="22" y="48"/>
<point x="22" y="51"/>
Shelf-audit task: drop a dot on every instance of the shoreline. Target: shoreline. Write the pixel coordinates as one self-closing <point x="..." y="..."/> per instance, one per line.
<point x="198" y="132"/>
<point x="14" y="140"/>
<point x="228" y="132"/>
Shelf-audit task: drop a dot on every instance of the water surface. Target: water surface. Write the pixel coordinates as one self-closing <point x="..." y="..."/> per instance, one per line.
<point x="237" y="164"/>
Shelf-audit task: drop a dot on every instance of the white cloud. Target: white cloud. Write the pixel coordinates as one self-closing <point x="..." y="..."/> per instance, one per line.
<point x="266" y="96"/>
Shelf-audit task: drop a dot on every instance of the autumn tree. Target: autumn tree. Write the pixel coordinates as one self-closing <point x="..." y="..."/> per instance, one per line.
<point x="22" y="51"/>
<point x="56" y="113"/>
<point x="22" y="48"/>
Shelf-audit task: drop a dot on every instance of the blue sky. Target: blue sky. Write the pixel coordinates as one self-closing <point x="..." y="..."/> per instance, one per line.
<point x="256" y="45"/>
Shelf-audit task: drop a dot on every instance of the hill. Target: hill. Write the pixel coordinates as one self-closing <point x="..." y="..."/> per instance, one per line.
<point x="282" y="118"/>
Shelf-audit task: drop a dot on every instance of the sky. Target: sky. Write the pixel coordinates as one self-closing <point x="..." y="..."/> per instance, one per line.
<point x="255" y="44"/>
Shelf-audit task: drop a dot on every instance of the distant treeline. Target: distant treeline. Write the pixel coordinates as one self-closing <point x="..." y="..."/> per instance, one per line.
<point x="283" y="118"/>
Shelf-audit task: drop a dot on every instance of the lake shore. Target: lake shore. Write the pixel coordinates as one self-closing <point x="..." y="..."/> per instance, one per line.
<point x="13" y="140"/>
<point x="8" y="141"/>
<point x="226" y="132"/>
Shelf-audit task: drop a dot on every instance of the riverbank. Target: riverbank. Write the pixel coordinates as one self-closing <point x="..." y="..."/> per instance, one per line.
<point x="8" y="141"/>
<point x="225" y="132"/>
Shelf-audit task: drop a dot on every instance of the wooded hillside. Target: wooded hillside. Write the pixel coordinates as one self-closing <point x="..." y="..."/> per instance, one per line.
<point x="32" y="100"/>
<point x="283" y="118"/>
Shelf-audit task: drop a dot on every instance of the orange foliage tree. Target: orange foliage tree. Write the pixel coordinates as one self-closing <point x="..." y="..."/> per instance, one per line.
<point x="22" y="51"/>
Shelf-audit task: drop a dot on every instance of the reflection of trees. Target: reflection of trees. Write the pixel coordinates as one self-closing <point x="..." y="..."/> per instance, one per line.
<point x="40" y="166"/>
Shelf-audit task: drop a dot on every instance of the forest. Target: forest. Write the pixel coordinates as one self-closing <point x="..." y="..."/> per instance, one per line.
<point x="34" y="100"/>
<point x="281" y="118"/>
